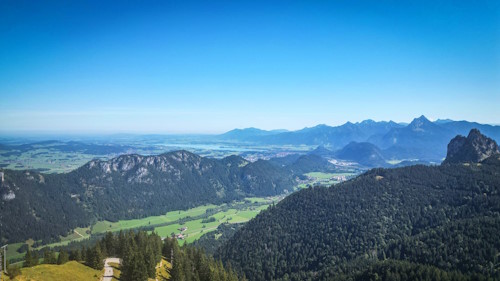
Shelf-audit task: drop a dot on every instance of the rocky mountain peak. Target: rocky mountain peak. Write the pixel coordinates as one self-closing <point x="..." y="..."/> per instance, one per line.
<point x="419" y="124"/>
<point x="474" y="148"/>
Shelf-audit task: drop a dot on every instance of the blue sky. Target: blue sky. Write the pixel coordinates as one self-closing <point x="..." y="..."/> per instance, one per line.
<point x="210" y="66"/>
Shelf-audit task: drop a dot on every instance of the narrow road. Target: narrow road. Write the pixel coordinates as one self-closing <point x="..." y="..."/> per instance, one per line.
<point x="108" y="270"/>
<point x="78" y="233"/>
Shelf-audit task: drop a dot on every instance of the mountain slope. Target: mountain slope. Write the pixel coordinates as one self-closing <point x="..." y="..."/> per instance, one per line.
<point x="322" y="151"/>
<point x="310" y="163"/>
<point x="364" y="153"/>
<point x="428" y="215"/>
<point x="41" y="206"/>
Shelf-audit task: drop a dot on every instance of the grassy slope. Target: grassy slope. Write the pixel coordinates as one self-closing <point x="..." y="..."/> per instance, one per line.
<point x="162" y="272"/>
<point x="104" y="226"/>
<point x="196" y="228"/>
<point x="72" y="270"/>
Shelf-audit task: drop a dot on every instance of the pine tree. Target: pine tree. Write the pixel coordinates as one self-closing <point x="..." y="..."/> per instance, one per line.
<point x="110" y="244"/>
<point x="134" y="268"/>
<point x="83" y="253"/>
<point x="49" y="257"/>
<point x="150" y="263"/>
<point x="35" y="258"/>
<point x="97" y="257"/>
<point x="28" y="259"/>
<point x="75" y="255"/>
<point x="89" y="257"/>
<point x="63" y="257"/>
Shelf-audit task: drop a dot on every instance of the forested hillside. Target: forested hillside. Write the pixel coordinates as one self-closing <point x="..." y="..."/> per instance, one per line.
<point x="44" y="206"/>
<point x="447" y="216"/>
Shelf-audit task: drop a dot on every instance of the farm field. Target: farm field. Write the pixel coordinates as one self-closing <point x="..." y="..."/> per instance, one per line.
<point x="236" y="212"/>
<point x="104" y="226"/>
<point x="45" y="160"/>
<point x="196" y="228"/>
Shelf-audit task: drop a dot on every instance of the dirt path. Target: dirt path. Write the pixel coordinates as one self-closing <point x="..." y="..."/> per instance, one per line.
<point x="78" y="233"/>
<point x="108" y="270"/>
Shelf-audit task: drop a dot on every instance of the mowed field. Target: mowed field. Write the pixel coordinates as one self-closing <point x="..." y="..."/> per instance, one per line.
<point x="236" y="212"/>
<point x="104" y="226"/>
<point x="196" y="228"/>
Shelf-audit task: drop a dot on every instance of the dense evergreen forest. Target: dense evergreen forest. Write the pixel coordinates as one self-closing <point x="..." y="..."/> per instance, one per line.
<point x="191" y="264"/>
<point x="391" y="270"/>
<point x="446" y="216"/>
<point x="211" y="241"/>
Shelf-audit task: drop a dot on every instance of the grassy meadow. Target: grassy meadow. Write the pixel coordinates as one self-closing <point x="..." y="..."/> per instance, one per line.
<point x="72" y="270"/>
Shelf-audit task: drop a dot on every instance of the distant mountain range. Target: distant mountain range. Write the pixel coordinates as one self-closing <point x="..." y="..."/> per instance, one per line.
<point x="248" y="134"/>
<point x="421" y="139"/>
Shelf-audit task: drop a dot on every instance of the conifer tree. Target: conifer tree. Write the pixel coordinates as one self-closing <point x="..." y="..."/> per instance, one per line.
<point x="97" y="257"/>
<point x="35" y="258"/>
<point x="75" y="255"/>
<point x="28" y="259"/>
<point x="83" y="253"/>
<point x="63" y="257"/>
<point x="49" y="257"/>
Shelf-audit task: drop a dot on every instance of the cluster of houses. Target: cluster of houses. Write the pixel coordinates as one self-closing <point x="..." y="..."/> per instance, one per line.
<point x="180" y="235"/>
<point x="339" y="178"/>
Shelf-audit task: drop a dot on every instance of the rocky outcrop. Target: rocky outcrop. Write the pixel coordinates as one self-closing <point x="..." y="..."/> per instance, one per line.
<point x="474" y="148"/>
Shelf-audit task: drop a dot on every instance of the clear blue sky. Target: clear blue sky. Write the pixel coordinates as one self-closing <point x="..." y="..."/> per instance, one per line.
<point x="210" y="66"/>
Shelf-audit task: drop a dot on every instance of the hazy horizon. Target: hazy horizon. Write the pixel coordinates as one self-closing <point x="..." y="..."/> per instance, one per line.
<point x="202" y="67"/>
<point x="48" y="133"/>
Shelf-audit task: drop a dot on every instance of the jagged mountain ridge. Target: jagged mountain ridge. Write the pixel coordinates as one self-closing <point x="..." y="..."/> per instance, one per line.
<point x="476" y="147"/>
<point x="333" y="137"/>
<point x="181" y="175"/>
<point x="421" y="139"/>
